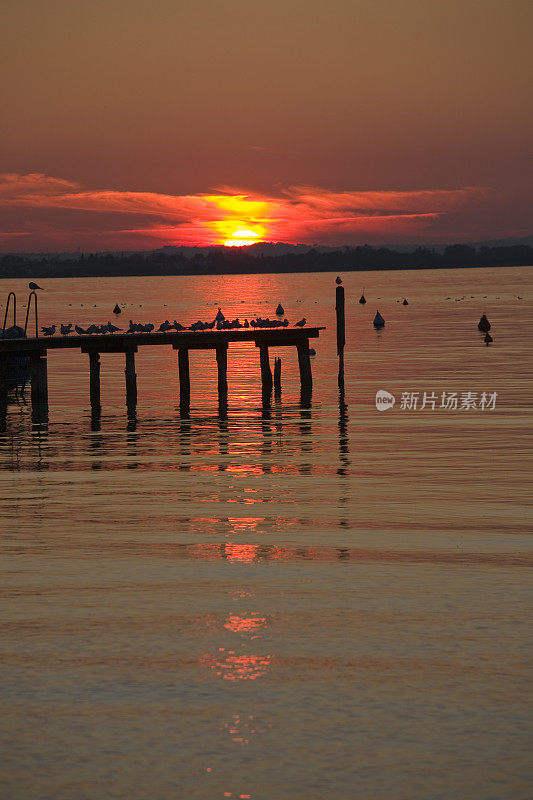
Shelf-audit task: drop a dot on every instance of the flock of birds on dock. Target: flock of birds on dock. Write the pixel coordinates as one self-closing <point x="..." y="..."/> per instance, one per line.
<point x="219" y="323"/>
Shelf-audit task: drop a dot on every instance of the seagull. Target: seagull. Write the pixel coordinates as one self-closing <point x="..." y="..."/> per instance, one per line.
<point x="34" y="286"/>
<point x="300" y="323"/>
<point x="132" y="328"/>
<point x="112" y="328"/>
<point x="379" y="322"/>
<point x="79" y="330"/>
<point x="178" y="326"/>
<point x="93" y="329"/>
<point x="49" y="331"/>
<point x="220" y="316"/>
<point x="280" y="310"/>
<point x="338" y="280"/>
<point x="66" y="329"/>
<point x="103" y="328"/>
<point x="148" y="328"/>
<point x="164" y="327"/>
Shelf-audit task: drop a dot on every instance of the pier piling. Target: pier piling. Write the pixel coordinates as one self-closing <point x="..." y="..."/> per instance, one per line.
<point x="185" y="380"/>
<point x="222" y="364"/>
<point x="131" y="380"/>
<point x="94" y="381"/>
<point x="266" y="372"/>
<point x="277" y="374"/>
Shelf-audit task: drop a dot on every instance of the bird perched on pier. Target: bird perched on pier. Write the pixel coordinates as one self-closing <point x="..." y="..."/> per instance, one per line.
<point x="379" y="322"/>
<point x="280" y="310"/>
<point x="93" y="329"/>
<point x="34" y="286"/>
<point x="220" y="316"/>
<point x="49" y="331"/>
<point x="79" y="331"/>
<point x="178" y="326"/>
<point x="300" y="323"/>
<point x="112" y="328"/>
<point x="483" y="324"/>
<point x="164" y="327"/>
<point x="66" y="329"/>
<point x="338" y="280"/>
<point x="148" y="328"/>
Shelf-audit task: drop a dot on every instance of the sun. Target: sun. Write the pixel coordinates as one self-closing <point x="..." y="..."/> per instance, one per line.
<point x="241" y="237"/>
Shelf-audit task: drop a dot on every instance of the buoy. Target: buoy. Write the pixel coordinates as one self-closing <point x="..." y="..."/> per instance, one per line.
<point x="338" y="279"/>
<point x="379" y="322"/>
<point x="488" y="338"/>
<point x="117" y="309"/>
<point x="280" y="311"/>
<point x="483" y="324"/>
<point x="362" y="299"/>
<point x="405" y="303"/>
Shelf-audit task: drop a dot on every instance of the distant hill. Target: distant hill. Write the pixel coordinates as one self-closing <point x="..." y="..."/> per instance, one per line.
<point x="261" y="258"/>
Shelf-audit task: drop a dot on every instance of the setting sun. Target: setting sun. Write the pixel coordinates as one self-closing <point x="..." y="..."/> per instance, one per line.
<point x="241" y="237"/>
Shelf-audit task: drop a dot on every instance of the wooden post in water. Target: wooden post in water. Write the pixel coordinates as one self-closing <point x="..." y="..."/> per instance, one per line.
<point x="266" y="372"/>
<point x="185" y="380"/>
<point x="304" y="362"/>
<point x="94" y="389"/>
<point x="277" y="374"/>
<point x="222" y="365"/>
<point x="131" y="380"/>
<point x="3" y="393"/>
<point x="39" y="381"/>
<point x="341" y="335"/>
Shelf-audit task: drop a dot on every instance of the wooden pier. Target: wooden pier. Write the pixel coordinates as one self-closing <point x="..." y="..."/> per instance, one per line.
<point x="97" y="345"/>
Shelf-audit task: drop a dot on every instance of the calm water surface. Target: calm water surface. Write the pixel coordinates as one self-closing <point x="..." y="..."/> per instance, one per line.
<point x="288" y="602"/>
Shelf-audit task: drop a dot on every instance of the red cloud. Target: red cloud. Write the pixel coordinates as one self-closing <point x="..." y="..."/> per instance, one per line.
<point x="298" y="214"/>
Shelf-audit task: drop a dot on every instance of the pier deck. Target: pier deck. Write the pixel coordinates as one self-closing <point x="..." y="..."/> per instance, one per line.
<point x="129" y="343"/>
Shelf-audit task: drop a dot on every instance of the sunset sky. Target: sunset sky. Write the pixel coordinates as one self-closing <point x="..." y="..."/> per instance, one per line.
<point x="131" y="125"/>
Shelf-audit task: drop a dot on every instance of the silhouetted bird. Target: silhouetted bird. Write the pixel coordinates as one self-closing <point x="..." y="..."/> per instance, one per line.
<point x="177" y="326"/>
<point x="66" y="329"/>
<point x="405" y="303"/>
<point x="79" y="330"/>
<point x="338" y="279"/>
<point x="112" y="328"/>
<point x="34" y="286"/>
<point x="280" y="310"/>
<point x="483" y="324"/>
<point x="220" y="316"/>
<point x="148" y="328"/>
<point x="379" y="322"/>
<point x="164" y="327"/>
<point x="300" y="323"/>
<point x="93" y="329"/>
<point x="117" y="309"/>
<point x="488" y="338"/>
<point x="132" y="328"/>
<point x="49" y="331"/>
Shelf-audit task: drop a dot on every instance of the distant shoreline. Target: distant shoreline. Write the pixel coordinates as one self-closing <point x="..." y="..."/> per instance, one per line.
<point x="241" y="261"/>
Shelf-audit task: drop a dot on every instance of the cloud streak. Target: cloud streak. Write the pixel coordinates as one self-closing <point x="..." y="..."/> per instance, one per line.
<point x="54" y="210"/>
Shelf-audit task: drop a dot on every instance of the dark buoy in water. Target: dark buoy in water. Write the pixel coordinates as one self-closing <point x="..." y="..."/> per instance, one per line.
<point x="362" y="299"/>
<point x="483" y="324"/>
<point x="488" y="338"/>
<point x="338" y="280"/>
<point x="280" y="311"/>
<point x="405" y="303"/>
<point x="117" y="309"/>
<point x="379" y="322"/>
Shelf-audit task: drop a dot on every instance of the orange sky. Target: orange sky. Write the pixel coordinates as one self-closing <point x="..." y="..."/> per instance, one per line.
<point x="129" y="125"/>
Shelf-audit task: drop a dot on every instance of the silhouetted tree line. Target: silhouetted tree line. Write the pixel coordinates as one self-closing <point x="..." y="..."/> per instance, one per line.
<point x="236" y="260"/>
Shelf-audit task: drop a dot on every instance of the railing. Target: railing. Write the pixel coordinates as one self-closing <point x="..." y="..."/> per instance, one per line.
<point x="14" y="296"/>
<point x="32" y="294"/>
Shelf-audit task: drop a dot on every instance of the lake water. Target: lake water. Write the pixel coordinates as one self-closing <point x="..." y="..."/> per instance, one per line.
<point x="288" y="602"/>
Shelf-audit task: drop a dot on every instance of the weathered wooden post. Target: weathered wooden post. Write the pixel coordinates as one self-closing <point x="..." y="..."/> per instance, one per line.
<point x="266" y="372"/>
<point x="94" y="381"/>
<point x="185" y="380"/>
<point x="3" y="393"/>
<point x="131" y="380"/>
<point x="222" y="365"/>
<point x="277" y="374"/>
<point x="341" y="336"/>
<point x="304" y="362"/>
<point x="39" y="381"/>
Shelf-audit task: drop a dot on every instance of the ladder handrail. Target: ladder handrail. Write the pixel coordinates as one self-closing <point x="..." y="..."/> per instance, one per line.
<point x="28" y="314"/>
<point x="11" y="294"/>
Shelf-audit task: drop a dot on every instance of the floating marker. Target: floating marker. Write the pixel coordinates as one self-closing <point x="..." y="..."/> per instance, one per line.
<point x="379" y="322"/>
